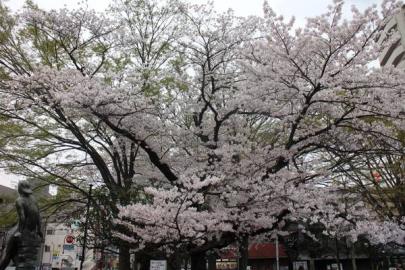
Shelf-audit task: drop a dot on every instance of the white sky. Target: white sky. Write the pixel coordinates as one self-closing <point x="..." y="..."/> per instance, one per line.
<point x="301" y="9"/>
<point x="8" y="180"/>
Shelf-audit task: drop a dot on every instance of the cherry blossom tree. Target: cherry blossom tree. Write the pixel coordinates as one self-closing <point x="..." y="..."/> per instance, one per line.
<point x="301" y="93"/>
<point x="55" y="143"/>
<point x="225" y="125"/>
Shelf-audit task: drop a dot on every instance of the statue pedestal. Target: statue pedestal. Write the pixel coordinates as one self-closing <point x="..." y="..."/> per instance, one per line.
<point x="28" y="246"/>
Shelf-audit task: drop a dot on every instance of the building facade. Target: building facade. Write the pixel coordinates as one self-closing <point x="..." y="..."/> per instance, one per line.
<point x="394" y="53"/>
<point x="62" y="251"/>
<point x="262" y="256"/>
<point x="7" y="215"/>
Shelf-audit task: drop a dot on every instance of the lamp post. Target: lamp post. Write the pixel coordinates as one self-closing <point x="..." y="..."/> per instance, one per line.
<point x="277" y="255"/>
<point x="52" y="252"/>
<point x="85" y="228"/>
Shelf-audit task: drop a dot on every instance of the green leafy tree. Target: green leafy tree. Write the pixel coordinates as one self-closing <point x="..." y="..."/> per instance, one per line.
<point x="48" y="144"/>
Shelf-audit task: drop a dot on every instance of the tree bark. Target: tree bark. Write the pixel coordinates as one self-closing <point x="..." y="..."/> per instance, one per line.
<point x="174" y="262"/>
<point x="212" y="261"/>
<point x="143" y="260"/>
<point x="353" y="255"/>
<point x="186" y="263"/>
<point x="311" y="264"/>
<point x="244" y="253"/>
<point x="134" y="263"/>
<point x="124" y="258"/>
<point x="198" y="261"/>
<point x="337" y="253"/>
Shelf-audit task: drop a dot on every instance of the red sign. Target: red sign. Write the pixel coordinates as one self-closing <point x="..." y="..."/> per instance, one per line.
<point x="377" y="176"/>
<point x="69" y="239"/>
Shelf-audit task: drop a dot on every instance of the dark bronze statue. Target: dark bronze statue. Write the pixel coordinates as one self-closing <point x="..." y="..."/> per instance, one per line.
<point x="24" y="239"/>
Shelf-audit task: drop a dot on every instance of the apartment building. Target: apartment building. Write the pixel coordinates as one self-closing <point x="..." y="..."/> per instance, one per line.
<point x="394" y="53"/>
<point x="62" y="251"/>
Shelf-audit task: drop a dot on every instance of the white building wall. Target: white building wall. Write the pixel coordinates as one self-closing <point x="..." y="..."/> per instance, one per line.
<point x="394" y="54"/>
<point x="59" y="254"/>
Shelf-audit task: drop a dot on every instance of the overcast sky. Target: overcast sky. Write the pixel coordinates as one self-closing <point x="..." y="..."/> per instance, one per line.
<point x="301" y="9"/>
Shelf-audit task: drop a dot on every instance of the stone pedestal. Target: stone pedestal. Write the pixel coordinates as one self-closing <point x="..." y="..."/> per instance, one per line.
<point x="28" y="246"/>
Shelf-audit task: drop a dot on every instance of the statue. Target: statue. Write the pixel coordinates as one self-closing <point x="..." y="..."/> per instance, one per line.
<point x="24" y="239"/>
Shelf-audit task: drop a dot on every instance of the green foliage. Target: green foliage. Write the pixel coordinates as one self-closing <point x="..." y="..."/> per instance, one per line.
<point x="8" y="214"/>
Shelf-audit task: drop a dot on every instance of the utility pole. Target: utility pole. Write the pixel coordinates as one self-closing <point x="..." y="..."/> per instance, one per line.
<point x="277" y="255"/>
<point x="85" y="228"/>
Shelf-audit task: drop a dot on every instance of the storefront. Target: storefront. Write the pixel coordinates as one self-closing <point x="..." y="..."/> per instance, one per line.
<point x="262" y="256"/>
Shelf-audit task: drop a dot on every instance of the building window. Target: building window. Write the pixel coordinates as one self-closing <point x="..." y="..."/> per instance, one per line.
<point x="47" y="248"/>
<point x="50" y="232"/>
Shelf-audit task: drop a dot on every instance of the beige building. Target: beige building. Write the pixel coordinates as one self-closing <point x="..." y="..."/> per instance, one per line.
<point x="394" y="54"/>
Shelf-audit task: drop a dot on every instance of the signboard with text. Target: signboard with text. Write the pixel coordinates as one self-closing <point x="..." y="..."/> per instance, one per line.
<point x="68" y="247"/>
<point x="69" y="239"/>
<point x="334" y="266"/>
<point x="158" y="265"/>
<point x="300" y="265"/>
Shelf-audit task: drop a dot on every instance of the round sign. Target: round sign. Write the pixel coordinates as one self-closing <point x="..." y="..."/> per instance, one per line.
<point x="69" y="239"/>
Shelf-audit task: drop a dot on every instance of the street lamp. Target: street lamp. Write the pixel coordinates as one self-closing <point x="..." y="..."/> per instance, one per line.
<point x="85" y="228"/>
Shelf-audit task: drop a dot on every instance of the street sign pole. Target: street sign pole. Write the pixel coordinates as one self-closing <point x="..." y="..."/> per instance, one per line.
<point x="85" y="228"/>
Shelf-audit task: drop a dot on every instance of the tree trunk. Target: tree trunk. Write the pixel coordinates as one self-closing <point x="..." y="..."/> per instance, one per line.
<point x="143" y="260"/>
<point x="198" y="261"/>
<point x="244" y="253"/>
<point x="212" y="261"/>
<point x="372" y="264"/>
<point x="134" y="263"/>
<point x="337" y="253"/>
<point x="124" y="258"/>
<point x="311" y="264"/>
<point x="174" y="262"/>
<point x="186" y="263"/>
<point x="354" y="265"/>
